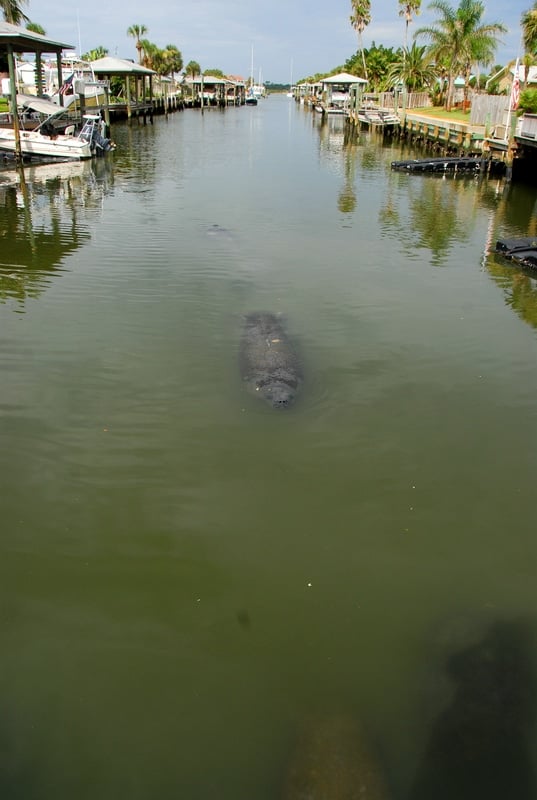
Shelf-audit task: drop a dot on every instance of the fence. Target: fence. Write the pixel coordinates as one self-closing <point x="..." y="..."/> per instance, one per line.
<point x="489" y="109"/>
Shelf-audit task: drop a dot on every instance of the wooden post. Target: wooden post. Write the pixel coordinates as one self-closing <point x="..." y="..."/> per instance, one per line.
<point x="60" y="76"/>
<point x="128" y="93"/>
<point x="107" y="108"/>
<point x="38" y="75"/>
<point x="13" y="93"/>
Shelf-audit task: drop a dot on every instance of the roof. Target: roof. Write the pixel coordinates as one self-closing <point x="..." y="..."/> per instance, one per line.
<point x="209" y="79"/>
<point x="119" y="66"/>
<point x="25" y="41"/>
<point x="343" y="77"/>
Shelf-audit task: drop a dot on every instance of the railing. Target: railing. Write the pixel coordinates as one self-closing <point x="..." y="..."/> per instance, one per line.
<point x="528" y="129"/>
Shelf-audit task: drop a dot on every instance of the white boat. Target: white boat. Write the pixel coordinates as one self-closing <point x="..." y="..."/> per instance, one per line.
<point x="45" y="141"/>
<point x="78" y="78"/>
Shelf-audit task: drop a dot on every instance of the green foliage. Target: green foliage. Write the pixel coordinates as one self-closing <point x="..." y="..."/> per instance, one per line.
<point x="192" y="69"/>
<point x="528" y="24"/>
<point x="415" y="68"/>
<point x="216" y="73"/>
<point x="378" y="61"/>
<point x="137" y="31"/>
<point x="459" y="39"/>
<point x="13" y="12"/>
<point x="34" y="27"/>
<point x="93" y="55"/>
<point x="528" y="101"/>
<point x="165" y="61"/>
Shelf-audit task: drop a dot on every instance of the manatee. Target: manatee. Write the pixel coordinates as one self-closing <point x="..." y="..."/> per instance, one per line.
<point x="218" y="232"/>
<point x="268" y="362"/>
<point x="333" y="761"/>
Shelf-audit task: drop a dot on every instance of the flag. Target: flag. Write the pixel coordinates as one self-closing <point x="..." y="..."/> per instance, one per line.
<point x="515" y="90"/>
<point x="67" y="84"/>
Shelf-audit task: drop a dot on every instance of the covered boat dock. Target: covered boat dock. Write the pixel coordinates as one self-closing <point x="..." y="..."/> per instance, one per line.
<point x="14" y="39"/>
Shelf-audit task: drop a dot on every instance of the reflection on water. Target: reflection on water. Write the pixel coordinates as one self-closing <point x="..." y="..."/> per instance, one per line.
<point x="188" y="575"/>
<point x="43" y="219"/>
<point x="480" y="746"/>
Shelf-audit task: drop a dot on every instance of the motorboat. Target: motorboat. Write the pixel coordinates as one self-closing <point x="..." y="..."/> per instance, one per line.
<point x="45" y="141"/>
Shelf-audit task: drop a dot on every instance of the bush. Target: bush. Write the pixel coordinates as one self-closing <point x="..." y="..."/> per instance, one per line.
<point x="528" y="101"/>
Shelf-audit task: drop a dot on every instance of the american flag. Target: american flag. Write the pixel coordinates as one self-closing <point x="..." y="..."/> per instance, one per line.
<point x="515" y="90"/>
<point x="67" y="84"/>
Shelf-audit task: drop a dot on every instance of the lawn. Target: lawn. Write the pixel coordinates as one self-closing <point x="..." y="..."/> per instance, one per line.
<point x="439" y="112"/>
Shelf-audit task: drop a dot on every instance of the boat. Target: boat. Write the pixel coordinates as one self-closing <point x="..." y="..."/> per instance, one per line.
<point x="79" y="79"/>
<point x="290" y="93"/>
<point x="46" y="142"/>
<point x="252" y="94"/>
<point x="251" y="99"/>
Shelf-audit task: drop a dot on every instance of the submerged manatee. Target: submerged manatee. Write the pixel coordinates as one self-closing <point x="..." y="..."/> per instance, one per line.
<point x="268" y="363"/>
<point x="333" y="761"/>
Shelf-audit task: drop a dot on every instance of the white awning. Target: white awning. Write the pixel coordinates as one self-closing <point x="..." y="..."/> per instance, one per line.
<point x="39" y="104"/>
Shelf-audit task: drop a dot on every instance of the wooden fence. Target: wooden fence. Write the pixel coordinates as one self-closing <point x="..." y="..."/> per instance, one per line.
<point x="489" y="109"/>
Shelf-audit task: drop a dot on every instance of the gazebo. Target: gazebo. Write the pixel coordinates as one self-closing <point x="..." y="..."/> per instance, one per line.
<point x="14" y="39"/>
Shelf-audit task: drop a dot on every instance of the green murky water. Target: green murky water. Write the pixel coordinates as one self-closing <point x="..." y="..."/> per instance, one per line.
<point x="185" y="573"/>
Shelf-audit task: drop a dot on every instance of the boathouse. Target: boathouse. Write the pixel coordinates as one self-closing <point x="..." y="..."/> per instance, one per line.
<point x="14" y="39"/>
<point x="335" y="92"/>
<point x="137" y="81"/>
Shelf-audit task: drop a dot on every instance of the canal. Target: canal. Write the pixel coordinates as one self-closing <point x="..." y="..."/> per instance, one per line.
<point x="187" y="574"/>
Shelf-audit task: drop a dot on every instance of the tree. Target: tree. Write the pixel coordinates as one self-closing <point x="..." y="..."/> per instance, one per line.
<point x="415" y="68"/>
<point x="528" y="23"/>
<point x="34" y="27"/>
<point x="13" y="12"/>
<point x="192" y="69"/>
<point x="378" y="60"/>
<point x="137" y="31"/>
<point x="460" y="39"/>
<point x="360" y="19"/>
<point x="406" y="9"/>
<point x="216" y="73"/>
<point x="173" y="59"/>
<point x="97" y="52"/>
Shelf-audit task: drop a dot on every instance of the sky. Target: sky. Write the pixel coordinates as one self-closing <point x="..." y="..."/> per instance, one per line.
<point x="290" y="39"/>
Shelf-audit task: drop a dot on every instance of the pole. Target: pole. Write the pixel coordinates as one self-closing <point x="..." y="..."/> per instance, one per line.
<point x="13" y="93"/>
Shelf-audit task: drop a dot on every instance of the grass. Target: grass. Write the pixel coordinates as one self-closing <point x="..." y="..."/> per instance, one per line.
<point x="457" y="115"/>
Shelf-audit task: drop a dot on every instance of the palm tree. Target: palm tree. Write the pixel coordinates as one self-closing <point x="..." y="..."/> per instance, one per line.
<point x="406" y="9"/>
<point x="148" y="53"/>
<point x="173" y="59"/>
<point x="13" y="12"/>
<point x="459" y="38"/>
<point x="137" y="31"/>
<point x="96" y="53"/>
<point x="528" y="23"/>
<point x="35" y="27"/>
<point x="192" y="69"/>
<point x="415" y="68"/>
<point x="360" y="19"/>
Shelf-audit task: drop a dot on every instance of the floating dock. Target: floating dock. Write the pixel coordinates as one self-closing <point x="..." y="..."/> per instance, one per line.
<point x="447" y="164"/>
<point x="523" y="251"/>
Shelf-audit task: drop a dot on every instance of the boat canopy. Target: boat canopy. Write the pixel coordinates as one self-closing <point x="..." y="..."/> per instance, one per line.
<point x="39" y="104"/>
